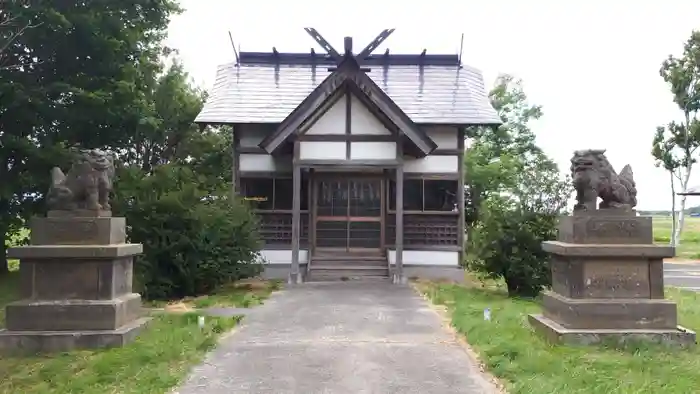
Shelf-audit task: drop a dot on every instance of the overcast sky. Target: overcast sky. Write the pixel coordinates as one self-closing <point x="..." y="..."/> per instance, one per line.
<point x="593" y="65"/>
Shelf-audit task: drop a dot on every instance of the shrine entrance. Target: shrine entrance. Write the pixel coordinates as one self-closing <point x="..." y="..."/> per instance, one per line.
<point x="348" y="214"/>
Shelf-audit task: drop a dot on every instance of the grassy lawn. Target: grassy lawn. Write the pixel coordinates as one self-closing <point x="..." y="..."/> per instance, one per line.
<point x="525" y="363"/>
<point x="690" y="238"/>
<point x="243" y="294"/>
<point x="158" y="360"/>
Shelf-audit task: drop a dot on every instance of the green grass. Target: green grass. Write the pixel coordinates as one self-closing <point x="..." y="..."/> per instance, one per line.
<point x="243" y="294"/>
<point x="690" y="237"/>
<point x="525" y="363"/>
<point x="157" y="361"/>
<point x="9" y="288"/>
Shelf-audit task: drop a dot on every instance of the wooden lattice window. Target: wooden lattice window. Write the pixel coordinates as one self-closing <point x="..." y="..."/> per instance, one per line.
<point x="272" y="193"/>
<point x="426" y="195"/>
<point x="425" y="229"/>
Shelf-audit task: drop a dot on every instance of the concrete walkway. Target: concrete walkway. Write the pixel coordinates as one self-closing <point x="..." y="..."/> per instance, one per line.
<point x="344" y="337"/>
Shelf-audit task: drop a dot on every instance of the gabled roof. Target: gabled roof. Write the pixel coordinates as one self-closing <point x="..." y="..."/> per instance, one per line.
<point x="351" y="75"/>
<point x="268" y="93"/>
<point x="266" y="87"/>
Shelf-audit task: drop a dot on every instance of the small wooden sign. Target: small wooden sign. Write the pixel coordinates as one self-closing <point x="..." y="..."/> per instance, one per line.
<point x="258" y="199"/>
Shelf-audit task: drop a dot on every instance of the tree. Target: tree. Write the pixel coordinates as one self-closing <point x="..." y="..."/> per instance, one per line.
<point x="82" y="77"/>
<point x="170" y="106"/>
<point x="195" y="235"/>
<point x="512" y="226"/>
<point x="494" y="156"/>
<point x="515" y="194"/>
<point x="674" y="146"/>
<point x="11" y="27"/>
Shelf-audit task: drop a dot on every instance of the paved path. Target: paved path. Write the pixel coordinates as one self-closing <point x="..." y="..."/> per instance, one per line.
<point x="338" y="338"/>
<point x="685" y="275"/>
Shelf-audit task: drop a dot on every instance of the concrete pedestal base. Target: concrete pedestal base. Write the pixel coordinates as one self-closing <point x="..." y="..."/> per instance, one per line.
<point x="76" y="286"/>
<point x="608" y="283"/>
<point x="32" y="342"/>
<point x="556" y="333"/>
<point x="66" y="315"/>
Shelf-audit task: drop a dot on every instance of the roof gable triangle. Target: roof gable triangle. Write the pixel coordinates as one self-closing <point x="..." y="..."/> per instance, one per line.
<point x="347" y="74"/>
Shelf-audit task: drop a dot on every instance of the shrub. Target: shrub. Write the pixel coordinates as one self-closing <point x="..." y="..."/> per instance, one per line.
<point x="506" y="243"/>
<point x="194" y="239"/>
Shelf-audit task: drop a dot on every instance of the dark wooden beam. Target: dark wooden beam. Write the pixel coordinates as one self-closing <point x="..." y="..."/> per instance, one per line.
<point x="460" y="193"/>
<point x="252" y="149"/>
<point x="363" y="69"/>
<point x="432" y="248"/>
<point x="295" y="275"/>
<point x="265" y="174"/>
<point x="305" y="58"/>
<point x="427" y="213"/>
<point x="310" y="163"/>
<point x="324" y="44"/>
<point x="321" y="111"/>
<point x="235" y="163"/>
<point x="398" y="242"/>
<point x="432" y="176"/>
<point x="348" y="117"/>
<point x="445" y="152"/>
<point x="302" y="112"/>
<point x="346" y="137"/>
<point x="313" y="195"/>
<point x="374" y="44"/>
<point x="347" y="46"/>
<point x="387" y="106"/>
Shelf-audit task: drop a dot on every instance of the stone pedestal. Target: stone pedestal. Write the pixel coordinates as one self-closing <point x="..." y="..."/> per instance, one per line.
<point x="76" y="286"/>
<point x="607" y="282"/>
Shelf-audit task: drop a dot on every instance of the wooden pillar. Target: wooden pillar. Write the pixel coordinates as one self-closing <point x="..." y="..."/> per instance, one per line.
<point x="235" y="164"/>
<point x="460" y="194"/>
<point x="399" y="276"/>
<point x="295" y="275"/>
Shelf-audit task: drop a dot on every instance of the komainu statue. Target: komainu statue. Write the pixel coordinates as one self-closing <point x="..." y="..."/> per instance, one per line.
<point x="593" y="176"/>
<point x="87" y="184"/>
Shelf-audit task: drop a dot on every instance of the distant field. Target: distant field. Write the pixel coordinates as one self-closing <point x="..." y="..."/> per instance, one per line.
<point x="689" y="248"/>
<point x="690" y="238"/>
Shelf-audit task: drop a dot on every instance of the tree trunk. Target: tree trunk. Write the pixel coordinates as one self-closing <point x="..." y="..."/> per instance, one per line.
<point x="681" y="221"/>
<point x="673" y="210"/>
<point x="4" y="266"/>
<point x="681" y="214"/>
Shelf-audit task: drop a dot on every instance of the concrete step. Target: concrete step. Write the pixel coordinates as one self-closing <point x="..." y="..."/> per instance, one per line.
<point x="380" y="262"/>
<point x="333" y="278"/>
<point x="319" y="272"/>
<point x="347" y="257"/>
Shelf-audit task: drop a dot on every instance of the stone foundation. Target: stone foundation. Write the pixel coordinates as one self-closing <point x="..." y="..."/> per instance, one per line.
<point x="76" y="287"/>
<point x="607" y="282"/>
<point x="555" y="333"/>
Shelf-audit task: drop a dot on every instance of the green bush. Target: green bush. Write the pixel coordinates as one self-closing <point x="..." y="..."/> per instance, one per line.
<point x="194" y="239"/>
<point x="507" y="244"/>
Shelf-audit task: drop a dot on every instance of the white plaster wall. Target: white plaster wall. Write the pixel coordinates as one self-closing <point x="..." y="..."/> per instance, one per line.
<point x="283" y="256"/>
<point x="363" y="121"/>
<point x="322" y="150"/>
<point x="426" y="257"/>
<point x="373" y="150"/>
<point x="431" y="164"/>
<point x="332" y="122"/>
<point x="250" y="138"/>
<point x="251" y="162"/>
<point x="445" y="137"/>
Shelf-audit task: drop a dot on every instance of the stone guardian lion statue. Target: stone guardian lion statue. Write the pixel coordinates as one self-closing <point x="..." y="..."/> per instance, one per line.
<point x="87" y="184"/>
<point x="593" y="176"/>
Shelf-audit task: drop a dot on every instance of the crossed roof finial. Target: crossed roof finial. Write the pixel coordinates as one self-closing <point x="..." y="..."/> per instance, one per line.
<point x="348" y="45"/>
